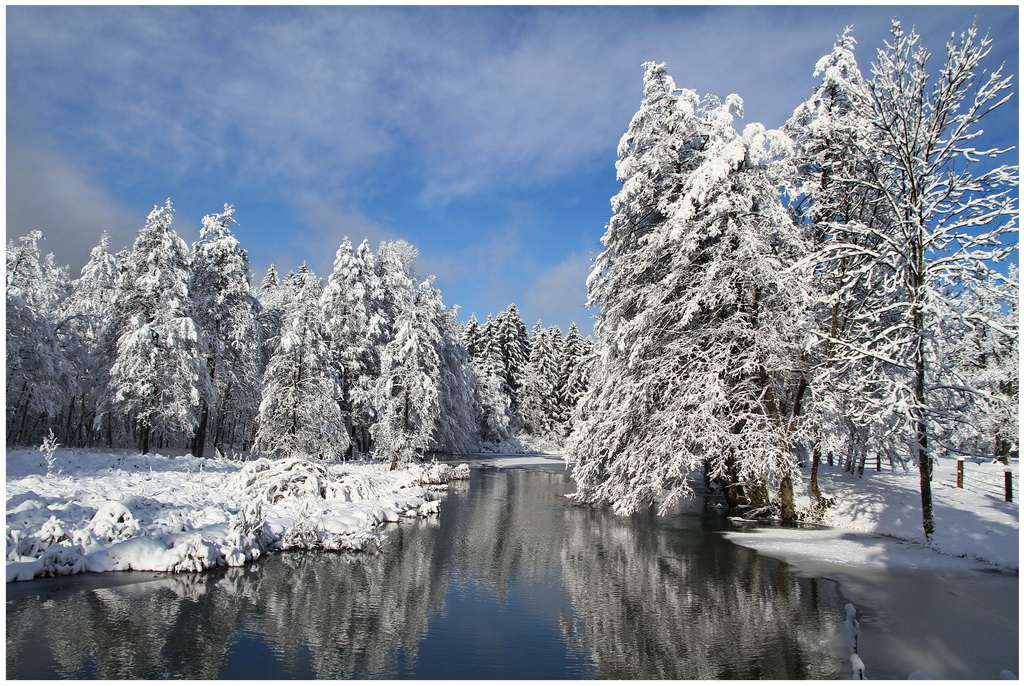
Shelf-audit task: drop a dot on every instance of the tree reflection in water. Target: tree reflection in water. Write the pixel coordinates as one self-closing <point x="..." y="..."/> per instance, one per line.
<point x="629" y="598"/>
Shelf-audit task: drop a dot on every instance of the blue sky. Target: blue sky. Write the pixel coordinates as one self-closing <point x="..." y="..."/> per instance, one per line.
<point x="485" y="136"/>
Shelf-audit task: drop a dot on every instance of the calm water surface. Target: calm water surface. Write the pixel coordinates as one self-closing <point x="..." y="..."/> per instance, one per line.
<point x="508" y="582"/>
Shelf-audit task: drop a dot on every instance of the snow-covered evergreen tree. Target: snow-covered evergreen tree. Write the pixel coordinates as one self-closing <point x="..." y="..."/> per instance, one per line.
<point x="299" y="411"/>
<point x="346" y="304"/>
<point x="457" y="429"/>
<point x="539" y="394"/>
<point x="513" y="341"/>
<point x="407" y="392"/>
<point x="273" y="296"/>
<point x="472" y="337"/>
<point x="498" y="419"/>
<point x="572" y="378"/>
<point x="828" y="199"/>
<point x="84" y="315"/>
<point x="39" y="379"/>
<point x="696" y="308"/>
<point x="981" y="350"/>
<point x="225" y="313"/>
<point x="158" y="375"/>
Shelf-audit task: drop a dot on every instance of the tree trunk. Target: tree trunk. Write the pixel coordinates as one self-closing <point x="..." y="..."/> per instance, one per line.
<point x="199" y="441"/>
<point x="145" y="439"/>
<point x="788" y="511"/>
<point x="815" y="463"/>
<point x="924" y="461"/>
<point x="405" y="429"/>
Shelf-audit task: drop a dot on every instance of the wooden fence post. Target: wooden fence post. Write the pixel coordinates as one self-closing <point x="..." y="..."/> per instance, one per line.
<point x="1008" y="481"/>
<point x="960" y="473"/>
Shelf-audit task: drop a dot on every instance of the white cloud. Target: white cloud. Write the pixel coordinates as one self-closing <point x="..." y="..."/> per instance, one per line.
<point x="49" y="193"/>
<point x="329" y="224"/>
<point x="559" y="295"/>
<point x="323" y="103"/>
<point x="320" y="97"/>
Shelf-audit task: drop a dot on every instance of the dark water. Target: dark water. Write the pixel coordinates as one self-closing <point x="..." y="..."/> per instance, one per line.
<point x="508" y="582"/>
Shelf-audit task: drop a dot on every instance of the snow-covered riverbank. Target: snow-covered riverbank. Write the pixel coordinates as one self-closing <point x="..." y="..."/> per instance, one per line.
<point x="104" y="512"/>
<point x="876" y="522"/>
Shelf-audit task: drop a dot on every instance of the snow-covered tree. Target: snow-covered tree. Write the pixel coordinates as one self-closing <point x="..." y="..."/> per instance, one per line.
<point x="457" y="428"/>
<point x="84" y="315"/>
<point x="572" y="378"/>
<point x="225" y="314"/>
<point x="827" y="198"/>
<point x="39" y="380"/>
<point x="498" y="417"/>
<point x="513" y="341"/>
<point x="981" y="349"/>
<point x="947" y="215"/>
<point x="472" y="336"/>
<point x="697" y="303"/>
<point x="539" y="400"/>
<point x="158" y="375"/>
<point x="273" y="296"/>
<point x="299" y="412"/>
<point x="347" y="307"/>
<point x="407" y="393"/>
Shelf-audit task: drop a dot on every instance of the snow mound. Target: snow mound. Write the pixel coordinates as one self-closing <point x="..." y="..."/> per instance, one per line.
<point x="273" y="481"/>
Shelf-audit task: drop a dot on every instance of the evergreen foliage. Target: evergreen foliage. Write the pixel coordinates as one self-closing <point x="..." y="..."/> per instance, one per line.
<point x="157" y="376"/>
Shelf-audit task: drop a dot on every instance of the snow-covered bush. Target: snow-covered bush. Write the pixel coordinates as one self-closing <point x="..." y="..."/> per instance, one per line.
<point x="48" y="448"/>
<point x="272" y="481"/>
<point x="59" y="560"/>
<point x="113" y="521"/>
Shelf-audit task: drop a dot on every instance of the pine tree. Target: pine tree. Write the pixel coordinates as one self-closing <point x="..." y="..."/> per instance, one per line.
<point x="38" y="378"/>
<point x="273" y="297"/>
<point x="696" y="304"/>
<point x="981" y="351"/>
<point x="225" y="313"/>
<point x="498" y="419"/>
<point x="346" y="304"/>
<point x="158" y="376"/>
<point x="407" y="393"/>
<point x="84" y="315"/>
<point x="299" y="412"/>
<point x="513" y="340"/>
<point x="539" y="399"/>
<point x="472" y="337"/>
<point x="457" y="428"/>
<point x="830" y="201"/>
<point x="572" y="377"/>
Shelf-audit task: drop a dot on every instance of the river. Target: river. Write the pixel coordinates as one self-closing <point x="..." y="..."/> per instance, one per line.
<point x="508" y="582"/>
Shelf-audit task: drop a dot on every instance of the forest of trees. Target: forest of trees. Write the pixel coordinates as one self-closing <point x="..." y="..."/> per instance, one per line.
<point x="836" y="290"/>
<point x="165" y="347"/>
<point x="839" y="290"/>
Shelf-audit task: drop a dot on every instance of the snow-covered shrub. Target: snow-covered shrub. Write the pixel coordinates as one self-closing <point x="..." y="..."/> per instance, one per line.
<point x="355" y="488"/>
<point x="51" y="531"/>
<point x="249" y="535"/>
<point x="273" y="481"/>
<point x="439" y="474"/>
<point x="194" y="554"/>
<point x="59" y="560"/>
<point x="113" y="521"/>
<point x="48" y="448"/>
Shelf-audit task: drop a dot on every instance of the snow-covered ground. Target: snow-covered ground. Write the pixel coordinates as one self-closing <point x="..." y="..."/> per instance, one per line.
<point x="108" y="511"/>
<point x="876" y="522"/>
<point x="545" y="461"/>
